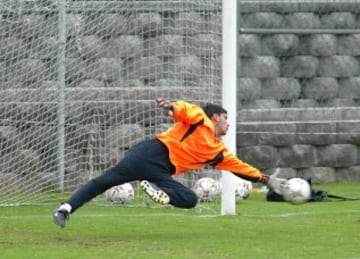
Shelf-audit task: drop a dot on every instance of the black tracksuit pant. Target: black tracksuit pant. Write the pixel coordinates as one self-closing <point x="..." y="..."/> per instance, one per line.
<point x="147" y="160"/>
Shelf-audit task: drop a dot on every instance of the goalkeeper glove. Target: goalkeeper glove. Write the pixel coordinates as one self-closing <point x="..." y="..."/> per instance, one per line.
<point x="166" y="105"/>
<point x="273" y="182"/>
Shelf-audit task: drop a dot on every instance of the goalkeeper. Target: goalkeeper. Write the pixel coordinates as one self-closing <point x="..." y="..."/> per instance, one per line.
<point x="193" y="142"/>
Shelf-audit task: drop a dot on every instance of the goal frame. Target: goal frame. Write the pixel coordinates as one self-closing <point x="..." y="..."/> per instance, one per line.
<point x="229" y="97"/>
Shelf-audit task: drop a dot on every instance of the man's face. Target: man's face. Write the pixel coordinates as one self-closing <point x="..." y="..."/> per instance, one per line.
<point x="221" y="124"/>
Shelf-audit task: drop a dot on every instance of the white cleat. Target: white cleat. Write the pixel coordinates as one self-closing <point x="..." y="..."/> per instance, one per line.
<point x="60" y="217"/>
<point x="154" y="193"/>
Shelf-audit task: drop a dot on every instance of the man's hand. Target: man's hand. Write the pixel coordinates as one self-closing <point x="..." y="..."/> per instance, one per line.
<point x="274" y="183"/>
<point x="166" y="105"/>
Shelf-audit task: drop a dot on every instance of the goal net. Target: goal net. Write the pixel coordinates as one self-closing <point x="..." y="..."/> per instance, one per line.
<point x="78" y="80"/>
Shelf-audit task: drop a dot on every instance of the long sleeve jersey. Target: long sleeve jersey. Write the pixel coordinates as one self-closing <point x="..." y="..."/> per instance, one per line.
<point x="192" y="144"/>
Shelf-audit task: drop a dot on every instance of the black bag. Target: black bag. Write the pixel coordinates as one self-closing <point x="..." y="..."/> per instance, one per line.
<point x="316" y="195"/>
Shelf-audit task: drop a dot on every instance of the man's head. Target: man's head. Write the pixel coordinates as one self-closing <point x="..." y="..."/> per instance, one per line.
<point x="211" y="109"/>
<point x="218" y="115"/>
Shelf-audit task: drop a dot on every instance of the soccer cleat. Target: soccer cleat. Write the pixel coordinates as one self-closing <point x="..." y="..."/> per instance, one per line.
<point x="60" y="217"/>
<point x="154" y="193"/>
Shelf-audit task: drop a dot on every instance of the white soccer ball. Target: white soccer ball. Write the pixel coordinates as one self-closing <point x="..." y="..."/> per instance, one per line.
<point x="297" y="191"/>
<point x="120" y="194"/>
<point x="206" y="189"/>
<point x="243" y="190"/>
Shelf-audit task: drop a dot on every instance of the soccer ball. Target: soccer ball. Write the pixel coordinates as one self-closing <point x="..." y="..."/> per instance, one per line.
<point x="297" y="191"/>
<point x="120" y="194"/>
<point x="206" y="189"/>
<point x="243" y="190"/>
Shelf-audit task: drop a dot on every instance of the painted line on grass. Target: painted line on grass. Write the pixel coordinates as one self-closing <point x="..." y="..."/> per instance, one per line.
<point x="302" y="213"/>
<point x="280" y="215"/>
<point x="79" y="215"/>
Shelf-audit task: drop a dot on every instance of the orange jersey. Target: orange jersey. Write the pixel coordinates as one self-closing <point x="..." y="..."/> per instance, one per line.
<point x="192" y="144"/>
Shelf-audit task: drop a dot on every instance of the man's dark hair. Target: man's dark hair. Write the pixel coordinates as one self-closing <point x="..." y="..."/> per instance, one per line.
<point x="211" y="109"/>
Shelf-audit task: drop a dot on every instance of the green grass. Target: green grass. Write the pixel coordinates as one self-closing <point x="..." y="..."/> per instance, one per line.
<point x="259" y="230"/>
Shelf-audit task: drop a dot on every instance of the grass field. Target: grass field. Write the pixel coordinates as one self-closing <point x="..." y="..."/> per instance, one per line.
<point x="261" y="229"/>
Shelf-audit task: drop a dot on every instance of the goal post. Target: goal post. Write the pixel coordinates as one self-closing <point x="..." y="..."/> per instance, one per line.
<point x="61" y="86"/>
<point x="229" y="86"/>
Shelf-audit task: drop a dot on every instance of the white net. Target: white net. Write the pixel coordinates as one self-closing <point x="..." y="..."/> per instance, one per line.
<point x="78" y="83"/>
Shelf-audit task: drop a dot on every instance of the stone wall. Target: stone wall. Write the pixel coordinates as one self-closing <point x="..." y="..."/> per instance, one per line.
<point x="299" y="91"/>
<point x="320" y="143"/>
<point x="299" y="68"/>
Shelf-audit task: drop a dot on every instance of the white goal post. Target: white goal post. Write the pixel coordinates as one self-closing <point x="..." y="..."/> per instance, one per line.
<point x="78" y="81"/>
<point x="229" y="85"/>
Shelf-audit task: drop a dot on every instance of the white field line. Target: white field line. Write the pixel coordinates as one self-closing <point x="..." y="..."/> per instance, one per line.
<point x="96" y="215"/>
<point x="280" y="215"/>
<point x="302" y="213"/>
